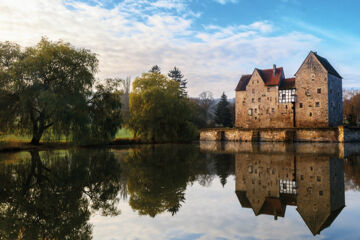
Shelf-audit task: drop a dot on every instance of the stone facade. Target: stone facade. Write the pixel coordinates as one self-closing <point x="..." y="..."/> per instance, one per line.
<point x="266" y="99"/>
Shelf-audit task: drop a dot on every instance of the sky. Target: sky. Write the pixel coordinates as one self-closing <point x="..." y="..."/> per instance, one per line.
<point x="213" y="42"/>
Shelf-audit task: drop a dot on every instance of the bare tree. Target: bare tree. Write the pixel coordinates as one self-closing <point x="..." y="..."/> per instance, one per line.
<point x="206" y="100"/>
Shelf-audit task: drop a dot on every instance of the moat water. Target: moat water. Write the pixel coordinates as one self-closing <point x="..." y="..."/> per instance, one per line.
<point x="200" y="191"/>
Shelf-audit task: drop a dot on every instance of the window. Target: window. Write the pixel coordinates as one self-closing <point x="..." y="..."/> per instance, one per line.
<point x="300" y="105"/>
<point x="255" y="110"/>
<point x="252" y="100"/>
<point x="250" y="112"/>
<point x="283" y="96"/>
<point x="317" y="104"/>
<point x="318" y="178"/>
<point x="273" y="110"/>
<point x="319" y="90"/>
<point x="320" y="193"/>
<point x="310" y="114"/>
<point x="255" y="119"/>
<point x="259" y="99"/>
<point x="268" y="89"/>
<point x="253" y="90"/>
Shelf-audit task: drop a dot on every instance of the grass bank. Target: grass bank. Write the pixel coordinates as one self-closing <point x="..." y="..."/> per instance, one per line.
<point x="14" y="143"/>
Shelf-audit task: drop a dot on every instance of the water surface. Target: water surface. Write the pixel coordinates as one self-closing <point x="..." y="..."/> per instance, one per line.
<point x="200" y="191"/>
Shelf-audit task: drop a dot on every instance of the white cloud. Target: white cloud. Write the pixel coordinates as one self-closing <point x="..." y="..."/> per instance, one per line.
<point x="223" y="2"/>
<point x="133" y="35"/>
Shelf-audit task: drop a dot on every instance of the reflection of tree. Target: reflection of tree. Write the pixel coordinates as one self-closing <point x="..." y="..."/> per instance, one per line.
<point x="352" y="173"/>
<point x="224" y="165"/>
<point x="51" y="195"/>
<point x="158" y="176"/>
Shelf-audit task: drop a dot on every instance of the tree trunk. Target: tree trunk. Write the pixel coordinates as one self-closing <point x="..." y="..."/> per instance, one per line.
<point x="35" y="139"/>
<point x="37" y="134"/>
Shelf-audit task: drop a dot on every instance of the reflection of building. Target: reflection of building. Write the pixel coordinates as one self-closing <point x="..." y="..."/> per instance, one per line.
<point x="315" y="184"/>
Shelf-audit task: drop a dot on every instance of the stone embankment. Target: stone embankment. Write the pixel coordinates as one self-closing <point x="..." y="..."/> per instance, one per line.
<point x="338" y="134"/>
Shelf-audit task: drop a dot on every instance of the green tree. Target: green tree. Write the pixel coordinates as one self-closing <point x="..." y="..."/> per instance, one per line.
<point x="222" y="113"/>
<point x="176" y="75"/>
<point x="158" y="113"/>
<point x="48" y="88"/>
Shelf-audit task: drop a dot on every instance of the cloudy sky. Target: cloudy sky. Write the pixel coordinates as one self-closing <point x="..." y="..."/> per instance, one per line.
<point x="213" y="42"/>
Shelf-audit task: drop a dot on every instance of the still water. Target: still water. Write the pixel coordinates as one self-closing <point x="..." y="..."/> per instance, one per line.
<point x="200" y="191"/>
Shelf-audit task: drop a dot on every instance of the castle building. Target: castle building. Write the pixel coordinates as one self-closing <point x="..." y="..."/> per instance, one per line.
<point x="266" y="99"/>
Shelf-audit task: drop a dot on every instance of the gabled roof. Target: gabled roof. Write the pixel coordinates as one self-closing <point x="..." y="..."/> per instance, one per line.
<point x="268" y="76"/>
<point x="244" y="80"/>
<point x="315" y="224"/>
<point x="273" y="206"/>
<point x="324" y="62"/>
<point x="327" y="65"/>
<point x="287" y="83"/>
<point x="244" y="201"/>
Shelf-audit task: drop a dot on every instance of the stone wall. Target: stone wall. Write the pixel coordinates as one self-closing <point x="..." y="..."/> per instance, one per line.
<point x="339" y="134"/>
<point x="238" y="135"/>
<point x="335" y="101"/>
<point x="311" y="94"/>
<point x="274" y="135"/>
<point x="317" y="135"/>
<point x="210" y="135"/>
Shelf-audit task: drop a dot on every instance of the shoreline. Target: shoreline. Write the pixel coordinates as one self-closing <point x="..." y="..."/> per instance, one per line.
<point x="13" y="147"/>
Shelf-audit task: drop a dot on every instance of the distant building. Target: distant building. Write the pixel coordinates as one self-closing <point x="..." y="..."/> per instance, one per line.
<point x="266" y="99"/>
<point x="267" y="183"/>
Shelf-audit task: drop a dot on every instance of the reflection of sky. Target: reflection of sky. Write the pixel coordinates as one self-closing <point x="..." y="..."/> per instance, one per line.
<point x="214" y="212"/>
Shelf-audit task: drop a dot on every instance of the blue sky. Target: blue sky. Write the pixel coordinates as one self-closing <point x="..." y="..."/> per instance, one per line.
<point x="213" y="42"/>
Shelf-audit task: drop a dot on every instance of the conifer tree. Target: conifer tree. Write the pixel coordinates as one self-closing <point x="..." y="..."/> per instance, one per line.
<point x="176" y="75"/>
<point x="222" y="113"/>
<point x="154" y="69"/>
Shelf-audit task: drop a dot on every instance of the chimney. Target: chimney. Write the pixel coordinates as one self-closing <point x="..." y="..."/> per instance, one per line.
<point x="274" y="70"/>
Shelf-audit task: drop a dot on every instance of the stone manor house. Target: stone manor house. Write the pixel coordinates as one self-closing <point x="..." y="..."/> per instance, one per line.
<point x="313" y="98"/>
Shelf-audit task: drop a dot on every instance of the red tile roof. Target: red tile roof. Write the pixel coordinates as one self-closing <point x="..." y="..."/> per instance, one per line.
<point x="244" y="80"/>
<point x="287" y="83"/>
<point x="269" y="78"/>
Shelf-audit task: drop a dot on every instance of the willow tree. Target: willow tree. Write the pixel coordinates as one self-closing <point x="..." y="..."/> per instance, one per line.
<point x="49" y="86"/>
<point x="158" y="111"/>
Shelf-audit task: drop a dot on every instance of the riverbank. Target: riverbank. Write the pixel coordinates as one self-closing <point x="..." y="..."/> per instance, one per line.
<point x="16" y="146"/>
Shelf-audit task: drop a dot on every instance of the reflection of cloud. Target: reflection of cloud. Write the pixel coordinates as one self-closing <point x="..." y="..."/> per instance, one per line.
<point x="208" y="213"/>
<point x="133" y="35"/>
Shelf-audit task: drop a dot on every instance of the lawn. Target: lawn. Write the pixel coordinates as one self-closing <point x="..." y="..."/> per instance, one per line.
<point x="121" y="133"/>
